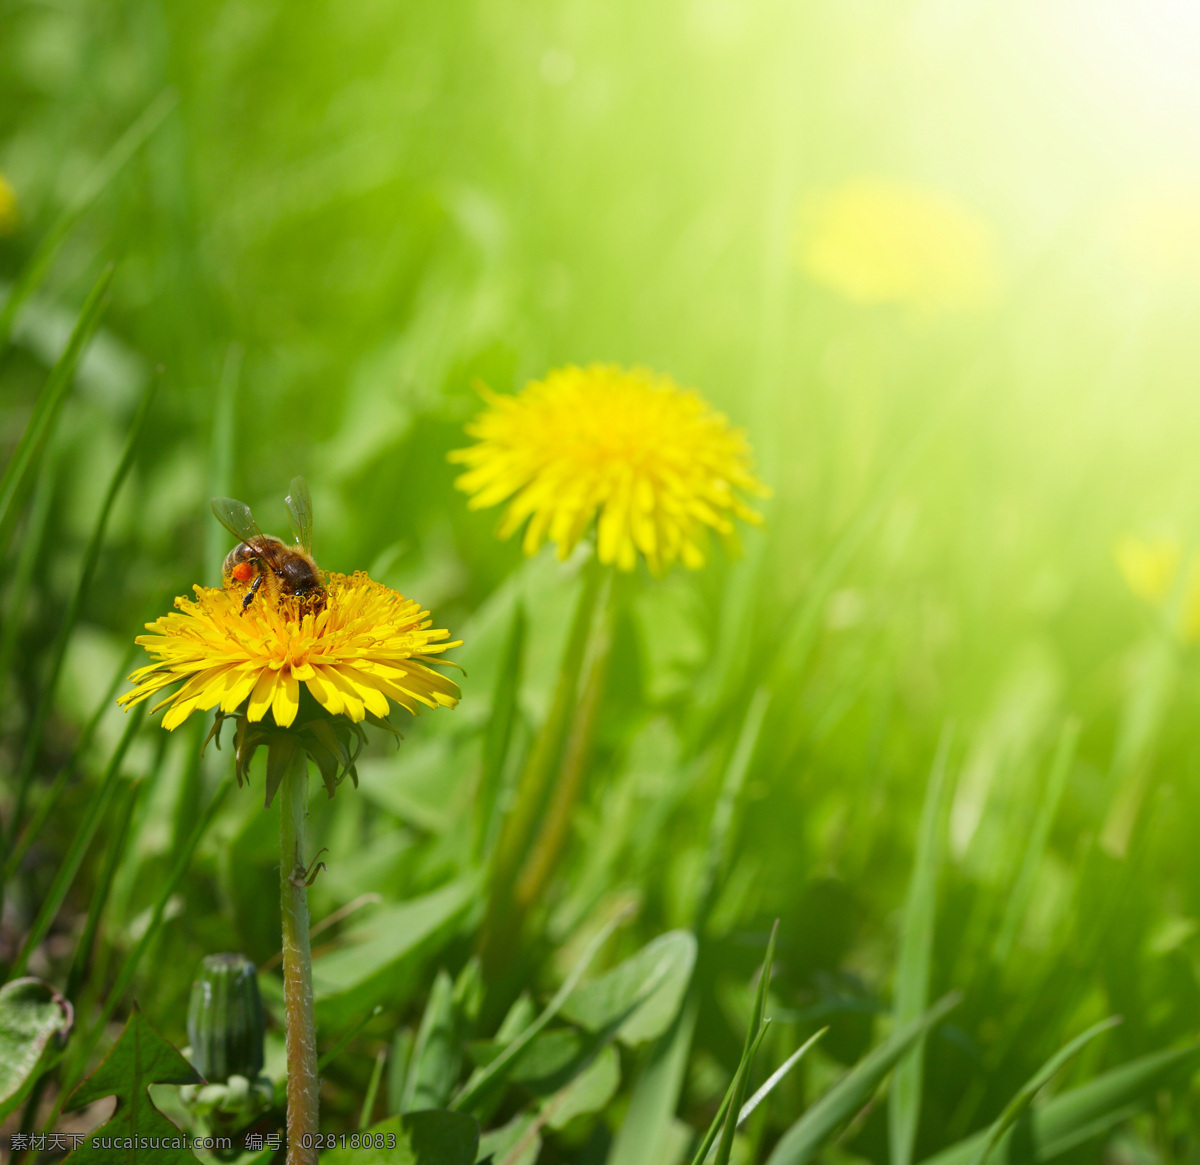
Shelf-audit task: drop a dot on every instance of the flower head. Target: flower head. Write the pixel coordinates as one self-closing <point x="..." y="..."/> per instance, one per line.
<point x="368" y="645"/>
<point x="876" y="241"/>
<point x="653" y="463"/>
<point x="1154" y="569"/>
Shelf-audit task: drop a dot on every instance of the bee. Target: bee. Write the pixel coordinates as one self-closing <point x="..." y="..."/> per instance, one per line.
<point x="276" y="568"/>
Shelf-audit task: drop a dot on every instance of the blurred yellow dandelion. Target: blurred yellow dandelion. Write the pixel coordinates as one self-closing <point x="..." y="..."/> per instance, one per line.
<point x="876" y="241"/>
<point x="653" y="463"/>
<point x="8" y="206"/>
<point x="367" y="646"/>
<point x="1152" y="568"/>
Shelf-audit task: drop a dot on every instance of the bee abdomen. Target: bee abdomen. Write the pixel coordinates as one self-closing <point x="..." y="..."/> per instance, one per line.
<point x="299" y="577"/>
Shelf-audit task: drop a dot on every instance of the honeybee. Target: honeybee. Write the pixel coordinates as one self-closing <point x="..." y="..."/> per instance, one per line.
<point x="276" y="568"/>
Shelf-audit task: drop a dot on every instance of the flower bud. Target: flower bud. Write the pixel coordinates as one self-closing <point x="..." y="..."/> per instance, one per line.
<point x="225" y="1022"/>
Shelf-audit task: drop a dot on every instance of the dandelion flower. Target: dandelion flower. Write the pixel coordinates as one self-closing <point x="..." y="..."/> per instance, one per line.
<point x="875" y="241"/>
<point x="368" y="645"/>
<point x="652" y="463"/>
<point x="8" y="206"/>
<point x="1151" y="568"/>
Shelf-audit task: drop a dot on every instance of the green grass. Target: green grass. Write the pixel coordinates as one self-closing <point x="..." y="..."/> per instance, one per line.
<point x="258" y="240"/>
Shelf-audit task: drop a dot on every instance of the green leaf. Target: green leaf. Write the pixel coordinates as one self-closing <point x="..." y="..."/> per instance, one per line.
<point x="660" y="972"/>
<point x="516" y="1143"/>
<point x="588" y="1092"/>
<point x="916" y="957"/>
<point x="1043" y="1076"/>
<point x="377" y="959"/>
<point x="1066" y="1121"/>
<point x="804" y="1140"/>
<point x="647" y="1131"/>
<point x="483" y="1083"/>
<point x="139" y="1058"/>
<point x="416" y="1138"/>
<point x="438" y="1051"/>
<point x="31" y="1012"/>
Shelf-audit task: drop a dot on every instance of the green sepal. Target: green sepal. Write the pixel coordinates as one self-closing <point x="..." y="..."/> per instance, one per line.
<point x="225" y="1021"/>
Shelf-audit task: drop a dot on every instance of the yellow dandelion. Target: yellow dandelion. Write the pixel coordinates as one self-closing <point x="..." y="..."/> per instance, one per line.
<point x="368" y="645"/>
<point x="8" y="206"/>
<point x="1155" y="571"/>
<point x="876" y="241"/>
<point x="652" y="463"/>
<point x="1149" y="565"/>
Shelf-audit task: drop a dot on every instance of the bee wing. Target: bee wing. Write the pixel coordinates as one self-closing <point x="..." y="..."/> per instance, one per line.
<point x="299" y="504"/>
<point x="235" y="516"/>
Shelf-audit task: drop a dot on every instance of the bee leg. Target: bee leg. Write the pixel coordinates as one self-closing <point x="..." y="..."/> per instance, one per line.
<point x="252" y="591"/>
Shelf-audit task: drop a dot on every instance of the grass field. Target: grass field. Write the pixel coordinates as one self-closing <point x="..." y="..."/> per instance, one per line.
<point x="935" y="714"/>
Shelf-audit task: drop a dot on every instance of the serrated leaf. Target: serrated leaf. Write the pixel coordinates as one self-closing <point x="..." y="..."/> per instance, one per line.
<point x="804" y="1140"/>
<point x="31" y="1014"/>
<point x="663" y="967"/>
<point x="434" y="1137"/>
<point x="139" y="1058"/>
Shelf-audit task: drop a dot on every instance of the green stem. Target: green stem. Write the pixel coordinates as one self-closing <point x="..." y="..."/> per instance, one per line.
<point x="303" y="1083"/>
<point x="556" y="826"/>
<point x="540" y="768"/>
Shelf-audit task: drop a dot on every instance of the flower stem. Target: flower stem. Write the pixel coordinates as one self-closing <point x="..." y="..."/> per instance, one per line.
<point x="556" y="826"/>
<point x="303" y="1084"/>
<point x="497" y="938"/>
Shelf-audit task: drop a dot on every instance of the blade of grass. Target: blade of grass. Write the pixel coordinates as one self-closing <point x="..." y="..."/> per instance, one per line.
<point x="805" y="1139"/>
<point x="1063" y="1121"/>
<point x="719" y="1121"/>
<point x="368" y="1104"/>
<point x="49" y="405"/>
<point x="32" y="540"/>
<point x="722" y="828"/>
<point x="80" y="842"/>
<point x="87" y="1044"/>
<point x="1022" y="892"/>
<point x="916" y="956"/>
<point x="778" y="1075"/>
<point x="118" y="835"/>
<point x="106" y="169"/>
<point x="495" y="1072"/>
<point x="50" y="801"/>
<point x="66" y="625"/>
<point x="1025" y="1095"/>
<point x="498" y="735"/>
<point x="339" y="1047"/>
<point x="754" y="1034"/>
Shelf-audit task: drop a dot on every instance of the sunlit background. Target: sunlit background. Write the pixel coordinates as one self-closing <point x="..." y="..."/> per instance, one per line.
<point x="941" y="259"/>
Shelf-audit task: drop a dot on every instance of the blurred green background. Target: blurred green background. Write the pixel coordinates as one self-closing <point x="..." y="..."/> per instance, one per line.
<point x="940" y="258"/>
